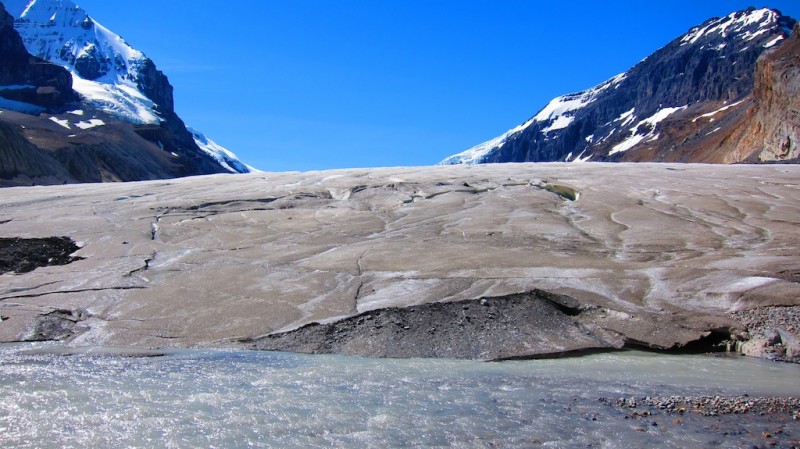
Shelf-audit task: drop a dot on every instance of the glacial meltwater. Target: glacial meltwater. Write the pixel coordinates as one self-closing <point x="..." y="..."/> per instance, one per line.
<point x="51" y="398"/>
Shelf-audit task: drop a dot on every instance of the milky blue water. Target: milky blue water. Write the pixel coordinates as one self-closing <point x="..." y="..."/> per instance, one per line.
<point x="241" y="399"/>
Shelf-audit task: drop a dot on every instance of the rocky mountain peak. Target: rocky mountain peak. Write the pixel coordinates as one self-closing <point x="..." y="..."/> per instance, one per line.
<point x="675" y="105"/>
<point x="29" y="83"/>
<point x="111" y="75"/>
<point x="742" y="25"/>
<point x="117" y="124"/>
<point x="107" y="71"/>
<point x="75" y="40"/>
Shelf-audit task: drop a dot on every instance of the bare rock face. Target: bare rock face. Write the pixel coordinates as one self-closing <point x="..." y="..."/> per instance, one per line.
<point x="489" y="261"/>
<point x="772" y="129"/>
<point x="171" y="132"/>
<point x="10" y="41"/>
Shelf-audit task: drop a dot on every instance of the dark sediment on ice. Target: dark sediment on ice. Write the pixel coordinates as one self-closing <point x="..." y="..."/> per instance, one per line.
<point x="536" y="324"/>
<point x="57" y="325"/>
<point x="530" y="324"/>
<point x="20" y="255"/>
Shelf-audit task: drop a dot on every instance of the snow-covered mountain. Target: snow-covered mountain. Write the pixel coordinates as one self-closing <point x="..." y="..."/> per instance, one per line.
<point x="107" y="72"/>
<point x="678" y="104"/>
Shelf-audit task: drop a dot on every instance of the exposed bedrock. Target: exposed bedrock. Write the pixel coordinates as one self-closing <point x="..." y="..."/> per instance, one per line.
<point x="565" y="257"/>
<point x="771" y="129"/>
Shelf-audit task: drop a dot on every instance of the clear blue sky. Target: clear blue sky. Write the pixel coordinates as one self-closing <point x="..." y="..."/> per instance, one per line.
<point x="317" y="84"/>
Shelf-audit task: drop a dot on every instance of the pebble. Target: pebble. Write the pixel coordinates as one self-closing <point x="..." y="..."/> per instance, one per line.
<point x="765" y="319"/>
<point x="713" y="405"/>
<point x="772" y="332"/>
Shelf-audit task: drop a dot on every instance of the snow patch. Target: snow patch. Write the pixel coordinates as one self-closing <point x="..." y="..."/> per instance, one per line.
<point x="748" y="36"/>
<point x="626" y="118"/>
<point x="561" y="122"/>
<point x="559" y="106"/>
<point x="64" y="123"/>
<point x="712" y="114"/>
<point x="90" y="124"/>
<point x="627" y="144"/>
<point x="635" y="138"/>
<point x="76" y="112"/>
<point x="749" y="283"/>
<point x="773" y="42"/>
<point x="581" y="158"/>
<point x="222" y="155"/>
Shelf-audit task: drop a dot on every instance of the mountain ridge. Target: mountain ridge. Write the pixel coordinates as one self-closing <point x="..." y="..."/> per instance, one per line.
<point x="668" y="107"/>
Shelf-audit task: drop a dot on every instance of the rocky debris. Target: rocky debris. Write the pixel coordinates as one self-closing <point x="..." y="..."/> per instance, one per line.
<point x="172" y="132"/>
<point x="19" y="158"/>
<point x="20" y="255"/>
<point x="97" y="351"/>
<point x="771" y="332"/>
<point x="710" y="405"/>
<point x="529" y="325"/>
<point x="57" y="325"/>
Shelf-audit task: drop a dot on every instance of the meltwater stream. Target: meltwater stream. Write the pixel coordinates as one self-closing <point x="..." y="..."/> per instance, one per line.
<point x="240" y="399"/>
